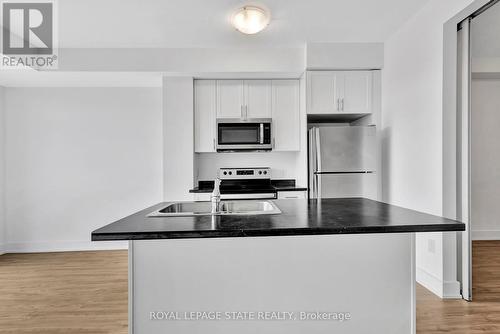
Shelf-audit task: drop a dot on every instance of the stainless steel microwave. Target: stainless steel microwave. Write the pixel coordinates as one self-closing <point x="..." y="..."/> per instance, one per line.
<point x="234" y="134"/>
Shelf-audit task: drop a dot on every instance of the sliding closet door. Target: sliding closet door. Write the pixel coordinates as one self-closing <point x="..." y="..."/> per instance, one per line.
<point x="463" y="104"/>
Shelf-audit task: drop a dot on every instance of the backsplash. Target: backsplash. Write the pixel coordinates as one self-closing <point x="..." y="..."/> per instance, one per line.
<point x="283" y="164"/>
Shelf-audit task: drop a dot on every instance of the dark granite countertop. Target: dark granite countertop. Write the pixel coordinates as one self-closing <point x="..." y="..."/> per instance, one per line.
<point x="298" y="217"/>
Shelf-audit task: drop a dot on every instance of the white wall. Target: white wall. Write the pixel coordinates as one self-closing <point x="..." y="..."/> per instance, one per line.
<point x="78" y="159"/>
<point x="2" y="169"/>
<point x="183" y="61"/>
<point x="485" y="65"/>
<point x="412" y="134"/>
<point x="178" y="138"/>
<point x="283" y="164"/>
<point x="485" y="159"/>
<point x="320" y="56"/>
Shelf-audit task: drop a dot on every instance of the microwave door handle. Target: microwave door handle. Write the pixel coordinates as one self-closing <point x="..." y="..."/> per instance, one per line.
<point x="261" y="133"/>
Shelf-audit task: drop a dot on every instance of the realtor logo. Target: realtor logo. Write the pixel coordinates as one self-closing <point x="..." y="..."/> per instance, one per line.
<point x="28" y="34"/>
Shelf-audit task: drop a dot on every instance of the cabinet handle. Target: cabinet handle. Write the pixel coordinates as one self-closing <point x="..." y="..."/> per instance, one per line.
<point x="214" y="144"/>
<point x="244" y="112"/>
<point x="342" y="104"/>
<point x="338" y="104"/>
<point x="274" y="143"/>
<point x="241" y="113"/>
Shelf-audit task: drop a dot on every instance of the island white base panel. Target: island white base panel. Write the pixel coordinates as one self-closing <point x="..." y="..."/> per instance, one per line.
<point x="369" y="276"/>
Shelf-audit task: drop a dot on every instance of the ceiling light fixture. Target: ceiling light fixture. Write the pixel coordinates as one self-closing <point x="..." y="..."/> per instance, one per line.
<point x="251" y="19"/>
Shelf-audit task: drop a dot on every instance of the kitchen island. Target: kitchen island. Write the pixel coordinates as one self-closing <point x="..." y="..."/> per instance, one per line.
<point x="320" y="266"/>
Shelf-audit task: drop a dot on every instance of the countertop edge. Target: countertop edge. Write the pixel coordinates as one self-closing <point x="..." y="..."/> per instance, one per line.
<point x="276" y="232"/>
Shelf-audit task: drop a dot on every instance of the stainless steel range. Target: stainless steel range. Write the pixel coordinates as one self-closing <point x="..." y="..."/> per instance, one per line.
<point x="246" y="183"/>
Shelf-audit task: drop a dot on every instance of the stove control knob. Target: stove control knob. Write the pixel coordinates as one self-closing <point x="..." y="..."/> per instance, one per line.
<point x="225" y="173"/>
<point x="265" y="172"/>
<point x="230" y="173"/>
<point x="260" y="172"/>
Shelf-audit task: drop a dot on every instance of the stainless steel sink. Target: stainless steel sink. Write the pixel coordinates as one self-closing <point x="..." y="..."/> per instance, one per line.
<point x="225" y="208"/>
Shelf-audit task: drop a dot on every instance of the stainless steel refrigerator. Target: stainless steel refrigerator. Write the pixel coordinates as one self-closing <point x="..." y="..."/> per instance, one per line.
<point x="342" y="161"/>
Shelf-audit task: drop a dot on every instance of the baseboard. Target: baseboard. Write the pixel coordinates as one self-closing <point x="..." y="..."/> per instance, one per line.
<point x="451" y="290"/>
<point x="430" y="282"/>
<point x="486" y="235"/>
<point x="442" y="289"/>
<point x="2" y="249"/>
<point x="63" y="246"/>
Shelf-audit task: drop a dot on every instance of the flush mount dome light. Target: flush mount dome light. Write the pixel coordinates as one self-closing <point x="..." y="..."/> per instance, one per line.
<point x="250" y="19"/>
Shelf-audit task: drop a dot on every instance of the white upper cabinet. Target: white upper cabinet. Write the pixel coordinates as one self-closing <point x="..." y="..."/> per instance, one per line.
<point x="230" y="98"/>
<point x="246" y="99"/>
<point x="205" y="105"/>
<point x="258" y="99"/>
<point x="323" y="92"/>
<point x="339" y="92"/>
<point x="356" y="92"/>
<point x="285" y="114"/>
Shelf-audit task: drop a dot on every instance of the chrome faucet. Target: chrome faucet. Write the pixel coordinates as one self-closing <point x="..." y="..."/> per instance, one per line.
<point x="215" y="197"/>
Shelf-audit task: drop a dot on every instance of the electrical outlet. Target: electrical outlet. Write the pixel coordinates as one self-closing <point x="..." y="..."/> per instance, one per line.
<point x="431" y="246"/>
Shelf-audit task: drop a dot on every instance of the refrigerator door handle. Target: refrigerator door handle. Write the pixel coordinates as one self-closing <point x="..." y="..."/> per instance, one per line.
<point x="317" y="177"/>
<point x="313" y="190"/>
<point x="318" y="150"/>
<point x="312" y="164"/>
<point x="318" y="187"/>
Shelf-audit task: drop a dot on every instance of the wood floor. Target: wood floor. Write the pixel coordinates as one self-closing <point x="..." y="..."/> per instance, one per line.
<point x="482" y="315"/>
<point x="64" y="293"/>
<point x="86" y="292"/>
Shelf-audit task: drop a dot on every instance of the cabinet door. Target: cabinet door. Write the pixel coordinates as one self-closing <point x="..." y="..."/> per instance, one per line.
<point x="204" y="115"/>
<point x="286" y="116"/>
<point x="230" y="101"/>
<point x="322" y="92"/>
<point x="258" y="99"/>
<point x="356" y="92"/>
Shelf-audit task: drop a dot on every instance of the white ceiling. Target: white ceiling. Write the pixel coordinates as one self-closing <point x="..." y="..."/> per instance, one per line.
<point x="205" y="23"/>
<point x="485" y="33"/>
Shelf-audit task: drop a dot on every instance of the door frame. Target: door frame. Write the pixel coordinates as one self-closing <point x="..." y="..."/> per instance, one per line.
<point x="455" y="168"/>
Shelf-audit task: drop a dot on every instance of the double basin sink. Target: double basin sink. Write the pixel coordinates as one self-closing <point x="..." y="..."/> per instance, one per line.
<point x="240" y="207"/>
